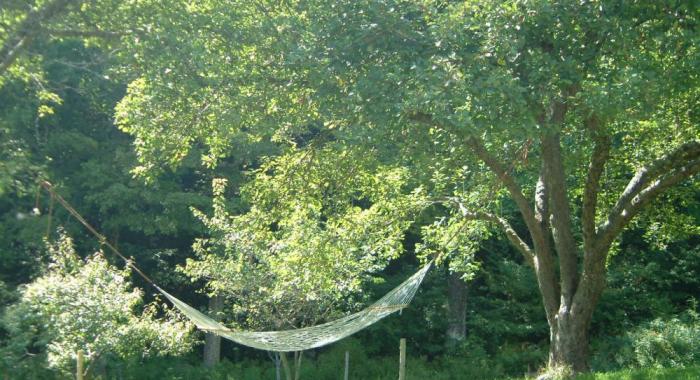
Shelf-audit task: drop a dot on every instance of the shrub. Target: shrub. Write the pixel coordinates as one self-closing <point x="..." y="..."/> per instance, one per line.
<point x="673" y="342"/>
<point x="84" y="305"/>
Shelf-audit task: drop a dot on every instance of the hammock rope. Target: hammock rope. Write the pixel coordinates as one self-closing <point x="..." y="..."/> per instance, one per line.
<point x="279" y="341"/>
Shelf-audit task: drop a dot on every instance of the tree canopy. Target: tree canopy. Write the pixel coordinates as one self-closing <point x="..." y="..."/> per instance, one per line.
<point x="354" y="132"/>
<point x="477" y="99"/>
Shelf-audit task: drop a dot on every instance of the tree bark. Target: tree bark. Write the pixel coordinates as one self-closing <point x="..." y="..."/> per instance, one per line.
<point x="560" y="217"/>
<point x="545" y="268"/>
<point x="599" y="157"/>
<point x="456" y="310"/>
<point x="212" y="342"/>
<point x="569" y="343"/>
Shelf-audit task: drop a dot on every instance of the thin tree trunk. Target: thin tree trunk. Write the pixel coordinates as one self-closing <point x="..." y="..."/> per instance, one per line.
<point x="278" y="366"/>
<point x="456" y="310"/>
<point x="212" y="342"/>
<point x="297" y="364"/>
<point x="285" y="365"/>
<point x="402" y="359"/>
<point x="80" y="370"/>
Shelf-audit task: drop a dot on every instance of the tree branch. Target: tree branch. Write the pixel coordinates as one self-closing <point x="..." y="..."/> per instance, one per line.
<point x="546" y="273"/>
<point x="105" y="34"/>
<point x="10" y="52"/>
<point x="479" y="148"/>
<point x="600" y="155"/>
<point x="477" y="144"/>
<point x="511" y="234"/>
<point x="543" y="261"/>
<point x="508" y="181"/>
<point x="28" y="29"/>
<point x="649" y="181"/>
<point x="686" y="160"/>
<point x="555" y="183"/>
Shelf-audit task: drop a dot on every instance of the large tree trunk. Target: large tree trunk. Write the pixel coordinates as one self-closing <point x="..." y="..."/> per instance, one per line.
<point x="569" y="332"/>
<point x="569" y="343"/>
<point x="456" y="310"/>
<point x="212" y="342"/>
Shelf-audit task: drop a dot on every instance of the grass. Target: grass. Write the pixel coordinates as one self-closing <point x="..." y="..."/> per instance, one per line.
<point x="688" y="373"/>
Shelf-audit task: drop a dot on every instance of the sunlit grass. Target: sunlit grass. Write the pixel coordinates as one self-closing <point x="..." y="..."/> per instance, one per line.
<point x="689" y="373"/>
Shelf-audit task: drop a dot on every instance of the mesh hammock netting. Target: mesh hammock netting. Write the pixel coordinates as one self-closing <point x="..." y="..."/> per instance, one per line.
<point x="309" y="337"/>
<point x="280" y="341"/>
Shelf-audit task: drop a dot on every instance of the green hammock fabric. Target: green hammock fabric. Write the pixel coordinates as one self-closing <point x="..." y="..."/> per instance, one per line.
<point x="309" y="337"/>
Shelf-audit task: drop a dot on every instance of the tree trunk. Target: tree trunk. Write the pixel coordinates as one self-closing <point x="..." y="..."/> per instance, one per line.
<point x="278" y="366"/>
<point x="456" y="310"/>
<point x="569" y="343"/>
<point x="212" y="342"/>
<point x="297" y="364"/>
<point x="569" y="332"/>
<point x="285" y="366"/>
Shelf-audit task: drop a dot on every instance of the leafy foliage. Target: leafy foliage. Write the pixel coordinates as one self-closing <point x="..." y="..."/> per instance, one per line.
<point x="85" y="305"/>
<point x="350" y="122"/>
<point x="660" y="343"/>
<point x="292" y="261"/>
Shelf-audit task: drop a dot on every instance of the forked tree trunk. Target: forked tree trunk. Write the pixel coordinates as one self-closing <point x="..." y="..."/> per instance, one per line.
<point x="571" y="280"/>
<point x="278" y="366"/>
<point x="456" y="310"/>
<point x="212" y="342"/>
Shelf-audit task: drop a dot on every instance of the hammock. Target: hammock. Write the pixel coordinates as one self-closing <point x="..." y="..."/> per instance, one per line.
<point x="281" y="341"/>
<point x="309" y="337"/>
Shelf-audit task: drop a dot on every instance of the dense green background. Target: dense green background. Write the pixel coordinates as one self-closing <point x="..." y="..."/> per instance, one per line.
<point x="132" y="128"/>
